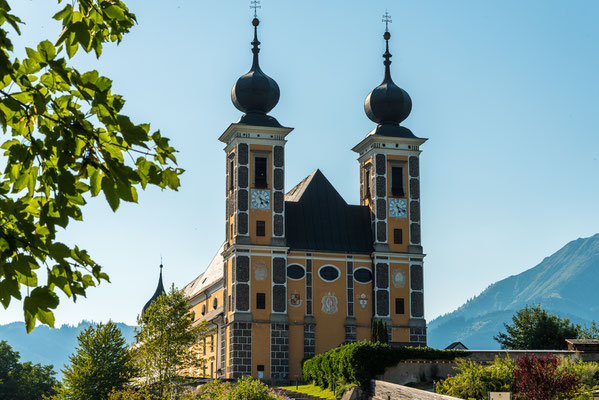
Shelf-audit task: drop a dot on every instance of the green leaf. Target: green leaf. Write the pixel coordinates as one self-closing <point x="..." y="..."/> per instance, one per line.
<point x="115" y="12"/>
<point x="95" y="181"/>
<point x="65" y="12"/>
<point x="110" y="192"/>
<point x="46" y="50"/>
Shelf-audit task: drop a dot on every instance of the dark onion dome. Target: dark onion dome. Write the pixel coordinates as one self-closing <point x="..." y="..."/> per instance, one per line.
<point x="388" y="104"/>
<point x="159" y="292"/>
<point x="255" y="93"/>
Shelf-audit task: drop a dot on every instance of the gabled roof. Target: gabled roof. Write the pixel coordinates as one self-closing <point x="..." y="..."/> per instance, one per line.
<point x="318" y="218"/>
<point x="213" y="274"/>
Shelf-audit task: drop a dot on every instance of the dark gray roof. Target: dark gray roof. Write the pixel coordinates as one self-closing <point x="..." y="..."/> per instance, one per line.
<point x="159" y="292"/>
<point x="317" y="218"/>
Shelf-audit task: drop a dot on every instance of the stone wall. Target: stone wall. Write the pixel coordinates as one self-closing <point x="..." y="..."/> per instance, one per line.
<point x="279" y="351"/>
<point x="240" y="354"/>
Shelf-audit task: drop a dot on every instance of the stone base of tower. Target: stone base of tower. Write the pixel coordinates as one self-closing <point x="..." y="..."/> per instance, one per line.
<point x="279" y="351"/>
<point x="240" y="354"/>
<point x="418" y="336"/>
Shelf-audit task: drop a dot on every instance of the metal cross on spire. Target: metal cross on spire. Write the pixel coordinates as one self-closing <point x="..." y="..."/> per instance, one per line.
<point x="255" y="4"/>
<point x="386" y="20"/>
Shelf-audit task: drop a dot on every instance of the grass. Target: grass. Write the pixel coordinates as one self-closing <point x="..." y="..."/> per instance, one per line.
<point x="311" y="390"/>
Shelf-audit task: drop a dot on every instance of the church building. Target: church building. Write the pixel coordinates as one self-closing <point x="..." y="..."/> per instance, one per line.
<point x="301" y="271"/>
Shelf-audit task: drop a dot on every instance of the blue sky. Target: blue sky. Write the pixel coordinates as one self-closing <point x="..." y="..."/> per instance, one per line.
<point x="507" y="93"/>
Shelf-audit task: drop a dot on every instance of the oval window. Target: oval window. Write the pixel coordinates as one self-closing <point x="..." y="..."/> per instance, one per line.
<point x="295" y="271"/>
<point x="362" y="275"/>
<point x="215" y="303"/>
<point x="329" y="273"/>
<point x="203" y="309"/>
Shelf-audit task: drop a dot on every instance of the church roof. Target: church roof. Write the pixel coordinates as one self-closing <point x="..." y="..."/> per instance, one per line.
<point x="318" y="218"/>
<point x="213" y="274"/>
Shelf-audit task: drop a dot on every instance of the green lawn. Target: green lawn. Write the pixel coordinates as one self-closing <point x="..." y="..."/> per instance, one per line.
<point x="311" y="390"/>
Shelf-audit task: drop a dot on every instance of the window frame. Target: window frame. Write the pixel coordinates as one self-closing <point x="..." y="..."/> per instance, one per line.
<point x="258" y="303"/>
<point x="261" y="224"/>
<point x="394" y="192"/>
<point x="398" y="301"/>
<point x="266" y="156"/>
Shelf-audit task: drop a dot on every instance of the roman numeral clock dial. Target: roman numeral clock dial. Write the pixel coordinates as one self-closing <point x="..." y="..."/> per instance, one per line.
<point x="260" y="199"/>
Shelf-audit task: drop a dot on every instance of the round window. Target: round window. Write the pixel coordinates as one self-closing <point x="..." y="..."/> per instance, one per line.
<point x="362" y="275"/>
<point x="329" y="273"/>
<point x="295" y="271"/>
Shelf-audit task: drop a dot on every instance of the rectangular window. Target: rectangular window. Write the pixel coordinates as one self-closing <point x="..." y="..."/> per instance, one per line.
<point x="397" y="181"/>
<point x="399" y="306"/>
<point x="260" y="172"/>
<point x="397" y="236"/>
<point x="260" y="371"/>
<point x="212" y="342"/>
<point x="229" y="303"/>
<point x="204" y="346"/>
<point x="231" y="175"/>
<point x="232" y="232"/>
<point x="261" y="301"/>
<point x="260" y="228"/>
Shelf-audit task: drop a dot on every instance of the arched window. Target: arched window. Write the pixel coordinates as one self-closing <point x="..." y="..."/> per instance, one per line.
<point x="215" y="303"/>
<point x="203" y="309"/>
<point x="329" y="273"/>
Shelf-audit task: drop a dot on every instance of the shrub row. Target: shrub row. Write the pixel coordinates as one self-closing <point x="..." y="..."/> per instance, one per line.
<point x="358" y="363"/>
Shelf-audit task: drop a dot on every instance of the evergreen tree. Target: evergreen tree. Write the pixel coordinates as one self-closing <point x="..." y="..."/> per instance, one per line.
<point x="167" y="338"/>
<point x="379" y="331"/>
<point x="533" y="328"/>
<point x="101" y="363"/>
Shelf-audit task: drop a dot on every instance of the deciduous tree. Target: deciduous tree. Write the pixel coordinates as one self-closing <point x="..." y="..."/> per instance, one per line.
<point x="167" y="338"/>
<point x="65" y="139"/>
<point x="533" y="328"/>
<point x="101" y="364"/>
<point x="24" y="381"/>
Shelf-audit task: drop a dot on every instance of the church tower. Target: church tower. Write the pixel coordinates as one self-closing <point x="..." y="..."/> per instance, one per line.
<point x="255" y="254"/>
<point x="390" y="187"/>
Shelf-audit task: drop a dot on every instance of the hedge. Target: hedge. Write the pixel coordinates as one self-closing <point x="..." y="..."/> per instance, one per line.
<point x="358" y="363"/>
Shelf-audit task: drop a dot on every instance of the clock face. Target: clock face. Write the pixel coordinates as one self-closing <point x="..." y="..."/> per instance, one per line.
<point x="398" y="208"/>
<point x="260" y="199"/>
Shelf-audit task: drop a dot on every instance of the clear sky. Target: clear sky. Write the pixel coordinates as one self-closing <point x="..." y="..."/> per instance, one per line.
<point x="507" y="93"/>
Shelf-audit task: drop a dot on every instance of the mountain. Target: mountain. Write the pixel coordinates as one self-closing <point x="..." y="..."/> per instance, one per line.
<point x="47" y="345"/>
<point x="564" y="283"/>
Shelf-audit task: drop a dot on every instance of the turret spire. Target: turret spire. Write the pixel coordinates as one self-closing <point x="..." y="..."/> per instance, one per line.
<point x="255" y="93"/>
<point x="388" y="104"/>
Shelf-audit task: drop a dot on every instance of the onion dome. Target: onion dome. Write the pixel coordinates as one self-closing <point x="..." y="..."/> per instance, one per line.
<point x="388" y="104"/>
<point x="255" y="93"/>
<point x="159" y="292"/>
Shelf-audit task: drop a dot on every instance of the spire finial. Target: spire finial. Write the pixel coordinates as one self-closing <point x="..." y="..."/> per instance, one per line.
<point x="161" y="263"/>
<point x="255" y="4"/>
<point x="387" y="56"/>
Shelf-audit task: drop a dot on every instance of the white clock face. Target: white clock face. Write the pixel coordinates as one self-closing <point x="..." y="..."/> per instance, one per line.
<point x="398" y="208"/>
<point x="260" y="199"/>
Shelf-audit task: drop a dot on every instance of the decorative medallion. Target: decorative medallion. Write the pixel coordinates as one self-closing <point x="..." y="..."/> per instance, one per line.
<point x="363" y="301"/>
<point x="295" y="300"/>
<point x="329" y="303"/>
<point x="260" y="271"/>
<point x="399" y="279"/>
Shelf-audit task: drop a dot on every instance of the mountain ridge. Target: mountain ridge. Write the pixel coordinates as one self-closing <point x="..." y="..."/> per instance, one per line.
<point x="564" y="283"/>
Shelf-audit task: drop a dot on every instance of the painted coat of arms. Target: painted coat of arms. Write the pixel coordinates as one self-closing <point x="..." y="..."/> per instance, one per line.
<point x="295" y="300"/>
<point x="329" y="304"/>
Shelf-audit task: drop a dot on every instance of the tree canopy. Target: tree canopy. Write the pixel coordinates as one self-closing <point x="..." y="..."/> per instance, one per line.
<point x="167" y="338"/>
<point x="101" y="364"/>
<point x="64" y="140"/>
<point x="533" y="328"/>
<point x="24" y="381"/>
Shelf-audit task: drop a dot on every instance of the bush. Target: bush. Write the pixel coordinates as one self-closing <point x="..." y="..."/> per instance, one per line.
<point x="359" y="362"/>
<point x="540" y="378"/>
<point x="476" y="380"/>
<point x="247" y="388"/>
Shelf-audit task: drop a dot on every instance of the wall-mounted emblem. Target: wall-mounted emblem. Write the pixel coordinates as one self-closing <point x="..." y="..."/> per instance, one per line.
<point x="295" y="300"/>
<point x="399" y="279"/>
<point x="329" y="303"/>
<point x="260" y="271"/>
<point x="363" y="301"/>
